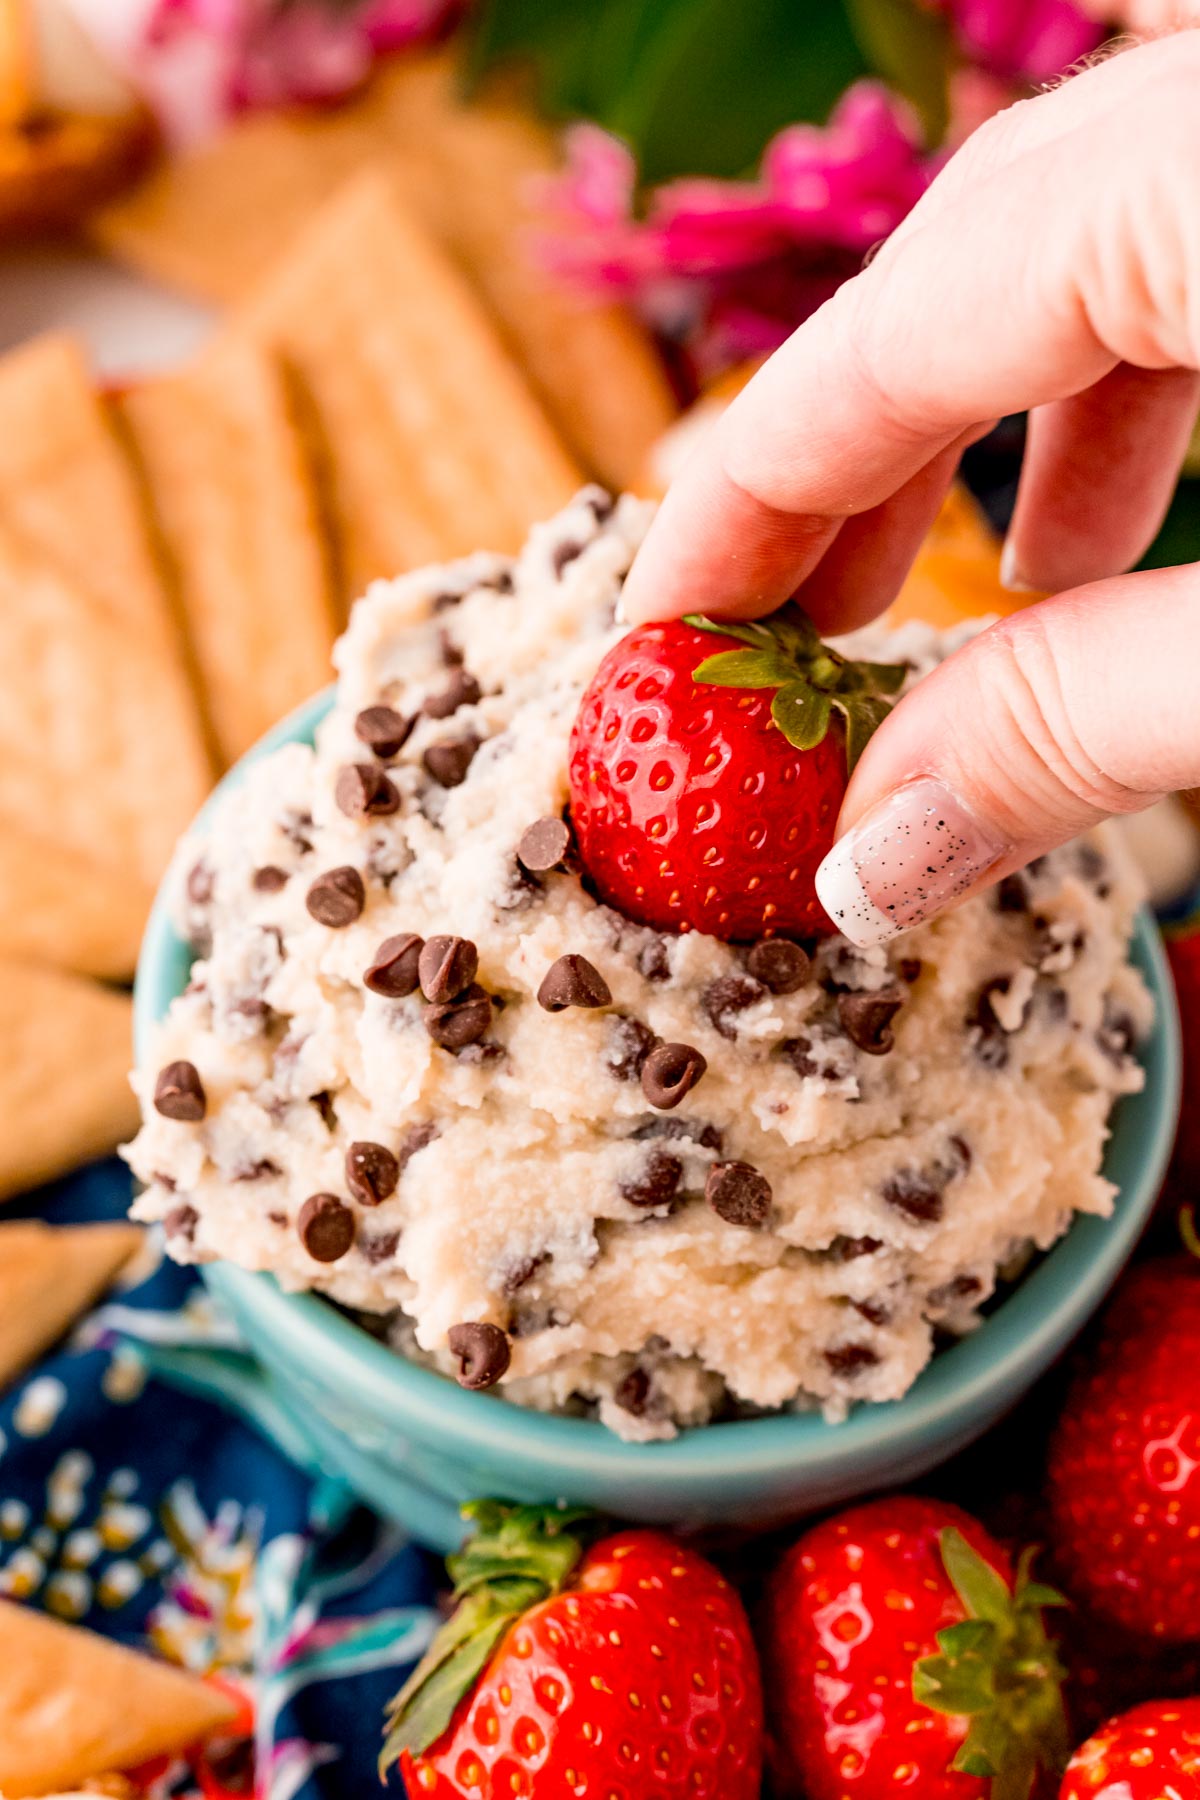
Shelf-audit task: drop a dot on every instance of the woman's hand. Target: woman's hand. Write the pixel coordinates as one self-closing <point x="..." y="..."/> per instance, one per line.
<point x="1054" y="265"/>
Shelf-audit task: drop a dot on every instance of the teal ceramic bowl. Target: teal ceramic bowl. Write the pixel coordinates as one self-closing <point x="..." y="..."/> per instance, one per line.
<point x="415" y="1446"/>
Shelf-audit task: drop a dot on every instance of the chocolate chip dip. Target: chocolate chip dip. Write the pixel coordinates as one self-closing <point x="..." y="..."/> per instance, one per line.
<point x="421" y="1069"/>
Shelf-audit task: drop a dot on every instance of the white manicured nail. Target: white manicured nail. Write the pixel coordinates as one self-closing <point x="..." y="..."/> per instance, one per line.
<point x="1011" y="577"/>
<point x="906" y="859"/>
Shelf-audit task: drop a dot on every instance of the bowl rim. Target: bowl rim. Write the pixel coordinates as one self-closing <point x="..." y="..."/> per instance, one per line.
<point x="1004" y="1355"/>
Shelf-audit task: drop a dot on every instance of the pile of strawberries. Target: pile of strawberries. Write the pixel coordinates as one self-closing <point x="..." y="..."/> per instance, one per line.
<point x="901" y="1646"/>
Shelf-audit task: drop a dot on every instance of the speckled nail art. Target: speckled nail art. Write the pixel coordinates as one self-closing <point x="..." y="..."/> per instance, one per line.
<point x="912" y="855"/>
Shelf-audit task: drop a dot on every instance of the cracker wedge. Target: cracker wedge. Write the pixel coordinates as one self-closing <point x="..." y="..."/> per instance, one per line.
<point x="74" y="1704"/>
<point x="65" y="1050"/>
<point x="229" y="482"/>
<point x="214" y="222"/>
<point x="49" y="1274"/>
<point x="956" y="574"/>
<point x="100" y="743"/>
<point x="61" y="907"/>
<point x="431" y="441"/>
<point x="473" y="173"/>
<point x="65" y="485"/>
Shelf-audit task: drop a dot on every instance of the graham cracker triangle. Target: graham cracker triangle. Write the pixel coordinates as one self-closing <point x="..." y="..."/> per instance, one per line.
<point x="62" y="907"/>
<point x="65" y="1051"/>
<point x="66" y="487"/>
<point x="49" y="1275"/>
<point x="100" y="742"/>
<point x="74" y="1705"/>
<point x="432" y="443"/>
<point x="227" y="475"/>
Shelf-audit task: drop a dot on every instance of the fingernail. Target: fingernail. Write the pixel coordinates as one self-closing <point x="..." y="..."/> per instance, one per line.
<point x="905" y="860"/>
<point x="1011" y="577"/>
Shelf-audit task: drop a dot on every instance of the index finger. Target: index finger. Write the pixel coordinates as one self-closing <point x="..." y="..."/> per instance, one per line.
<point x="940" y="333"/>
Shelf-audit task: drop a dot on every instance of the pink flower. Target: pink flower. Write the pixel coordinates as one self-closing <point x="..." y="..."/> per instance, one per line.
<point x="1023" y="40"/>
<point x="732" y="265"/>
<point x="201" y="60"/>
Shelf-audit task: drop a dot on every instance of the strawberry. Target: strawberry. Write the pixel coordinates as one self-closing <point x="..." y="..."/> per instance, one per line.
<point x="705" y="788"/>
<point x="1124" y="1462"/>
<point x="1151" y="1753"/>
<point x="904" y="1656"/>
<point x="626" y="1672"/>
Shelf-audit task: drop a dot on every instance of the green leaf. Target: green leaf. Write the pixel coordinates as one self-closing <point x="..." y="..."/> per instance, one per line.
<point x="863" y="715"/>
<point x="802" y="714"/>
<point x="745" y="634"/>
<point x="418" y="1726"/>
<point x="910" y="46"/>
<point x="981" y="1588"/>
<point x="1036" y="1593"/>
<point x="866" y="677"/>
<point x="744" y="669"/>
<point x="696" y="86"/>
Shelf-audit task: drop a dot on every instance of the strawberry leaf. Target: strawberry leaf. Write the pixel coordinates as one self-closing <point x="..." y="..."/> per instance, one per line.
<point x="982" y="1589"/>
<point x="802" y="714"/>
<point x="744" y="669"/>
<point x="810" y="678"/>
<point x="517" y="1557"/>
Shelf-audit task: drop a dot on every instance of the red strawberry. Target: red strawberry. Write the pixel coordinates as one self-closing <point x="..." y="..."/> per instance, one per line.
<point x="626" y="1673"/>
<point x="1124" y="1468"/>
<point x="1151" y="1753"/>
<point x="903" y="1657"/>
<point x="705" y="789"/>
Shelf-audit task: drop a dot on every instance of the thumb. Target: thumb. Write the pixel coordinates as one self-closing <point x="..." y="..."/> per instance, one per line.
<point x="1051" y="720"/>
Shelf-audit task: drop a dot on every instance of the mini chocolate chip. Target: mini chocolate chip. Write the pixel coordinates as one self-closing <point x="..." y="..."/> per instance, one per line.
<point x="449" y="761"/>
<point x="181" y="1222"/>
<point x="394" y="969"/>
<point x="670" y="1072"/>
<point x="480" y="1053"/>
<point x="269" y="879"/>
<point x="326" y="1227"/>
<point x="520" y="1274"/>
<point x="380" y="1247"/>
<point x="296" y="826"/>
<point x="449" y="651"/>
<point x="564" y="554"/>
<point x="798" y="1052"/>
<point x="544" y="845"/>
<point x="573" y="981"/>
<point x="200" y="884"/>
<point x="991" y="1044"/>
<point x="629" y="1044"/>
<point x="179" y="1093"/>
<point x="462" y="689"/>
<point x="849" y="1249"/>
<point x="446" y="966"/>
<point x="658" y="1182"/>
<point x="483" y="1354"/>
<point x="849" y="1359"/>
<point x="963" y="1287"/>
<point x="362" y="790"/>
<point x="261" y="1170"/>
<point x="324" y="1105"/>
<point x="415" y="1138"/>
<point x="1091" y="861"/>
<point x="692" y="1131"/>
<point x="456" y="1023"/>
<point x="867" y="1019"/>
<point x="371" y="1172"/>
<point x="917" y="1194"/>
<point x="654" y="960"/>
<point x="1012" y="895"/>
<point x="738" y="1194"/>
<point x="633" y="1392"/>
<point x="779" y="964"/>
<point x="383" y="730"/>
<point x="910" y="969"/>
<point x="722" y="1000"/>
<point x="337" y="897"/>
<point x="873" y="1311"/>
